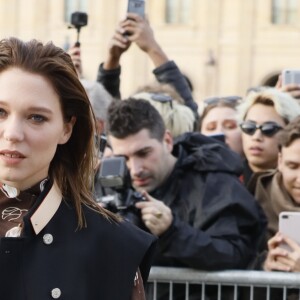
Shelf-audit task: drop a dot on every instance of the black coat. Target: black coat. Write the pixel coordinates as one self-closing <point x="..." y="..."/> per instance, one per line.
<point x="217" y="223"/>
<point x="168" y="73"/>
<point x="98" y="262"/>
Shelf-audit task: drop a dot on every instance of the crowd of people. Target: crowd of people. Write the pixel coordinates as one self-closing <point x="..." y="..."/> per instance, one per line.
<point x="213" y="178"/>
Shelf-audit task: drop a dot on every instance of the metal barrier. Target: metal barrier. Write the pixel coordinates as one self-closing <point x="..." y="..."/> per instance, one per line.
<point x="189" y="284"/>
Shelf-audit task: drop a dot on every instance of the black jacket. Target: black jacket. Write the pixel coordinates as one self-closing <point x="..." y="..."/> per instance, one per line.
<point x="63" y="262"/>
<point x="217" y="223"/>
<point x="166" y="73"/>
<point x="169" y="73"/>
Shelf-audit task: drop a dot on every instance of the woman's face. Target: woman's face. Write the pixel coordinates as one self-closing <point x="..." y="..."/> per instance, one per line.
<point x="260" y="150"/>
<point x="31" y="127"/>
<point x="223" y="120"/>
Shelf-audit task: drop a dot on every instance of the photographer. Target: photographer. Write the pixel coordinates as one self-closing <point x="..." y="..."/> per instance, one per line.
<point x="204" y="217"/>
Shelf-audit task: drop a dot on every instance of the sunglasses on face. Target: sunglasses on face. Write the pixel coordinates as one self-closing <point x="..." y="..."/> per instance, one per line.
<point x="268" y="129"/>
<point x="215" y="100"/>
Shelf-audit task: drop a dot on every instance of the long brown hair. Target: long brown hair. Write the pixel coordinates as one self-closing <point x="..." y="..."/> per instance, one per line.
<point x="73" y="162"/>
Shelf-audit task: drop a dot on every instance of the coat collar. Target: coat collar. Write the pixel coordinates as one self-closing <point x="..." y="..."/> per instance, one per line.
<point x="46" y="209"/>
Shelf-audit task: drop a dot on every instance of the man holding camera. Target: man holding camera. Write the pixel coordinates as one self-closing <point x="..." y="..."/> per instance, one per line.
<point x="195" y="204"/>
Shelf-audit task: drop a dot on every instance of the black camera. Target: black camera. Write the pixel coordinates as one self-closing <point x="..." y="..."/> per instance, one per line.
<point x="118" y="195"/>
<point x="78" y="20"/>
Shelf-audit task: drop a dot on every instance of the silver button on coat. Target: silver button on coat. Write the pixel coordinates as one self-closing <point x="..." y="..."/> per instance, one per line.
<point x="56" y="293"/>
<point x="48" y="238"/>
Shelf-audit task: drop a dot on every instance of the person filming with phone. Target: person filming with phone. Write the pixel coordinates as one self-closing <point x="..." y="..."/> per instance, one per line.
<point x="136" y="29"/>
<point x="289" y="82"/>
<point x="279" y="191"/>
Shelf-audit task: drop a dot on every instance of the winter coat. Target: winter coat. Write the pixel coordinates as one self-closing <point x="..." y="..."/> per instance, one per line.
<point x="217" y="223"/>
<point x="54" y="259"/>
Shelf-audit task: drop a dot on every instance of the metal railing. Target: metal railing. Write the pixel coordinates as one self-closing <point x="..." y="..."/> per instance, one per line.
<point x="246" y="285"/>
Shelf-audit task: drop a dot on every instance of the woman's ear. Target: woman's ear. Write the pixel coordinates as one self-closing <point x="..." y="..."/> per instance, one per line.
<point x="68" y="129"/>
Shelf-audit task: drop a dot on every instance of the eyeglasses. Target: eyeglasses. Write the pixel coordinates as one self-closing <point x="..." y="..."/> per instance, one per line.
<point x="158" y="97"/>
<point x="234" y="100"/>
<point x="161" y="97"/>
<point x="268" y="128"/>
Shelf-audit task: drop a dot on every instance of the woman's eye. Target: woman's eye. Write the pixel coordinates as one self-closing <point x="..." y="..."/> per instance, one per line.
<point x="292" y="166"/>
<point x="37" y="118"/>
<point x="211" y="126"/>
<point x="2" y="113"/>
<point x="230" y="124"/>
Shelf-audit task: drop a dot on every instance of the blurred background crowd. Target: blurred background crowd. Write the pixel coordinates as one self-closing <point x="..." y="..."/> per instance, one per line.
<point x="223" y="46"/>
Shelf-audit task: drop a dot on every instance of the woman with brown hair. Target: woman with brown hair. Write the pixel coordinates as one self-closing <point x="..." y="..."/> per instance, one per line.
<point x="55" y="241"/>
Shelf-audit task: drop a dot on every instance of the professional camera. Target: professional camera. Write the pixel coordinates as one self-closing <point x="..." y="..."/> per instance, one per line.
<point x="78" y="20"/>
<point x="118" y="196"/>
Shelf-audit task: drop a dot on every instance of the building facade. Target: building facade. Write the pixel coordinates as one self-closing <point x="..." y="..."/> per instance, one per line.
<point x="223" y="46"/>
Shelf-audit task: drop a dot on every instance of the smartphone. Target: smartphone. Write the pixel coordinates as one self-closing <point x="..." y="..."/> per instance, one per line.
<point x="136" y="6"/>
<point x="290" y="76"/>
<point x="289" y="224"/>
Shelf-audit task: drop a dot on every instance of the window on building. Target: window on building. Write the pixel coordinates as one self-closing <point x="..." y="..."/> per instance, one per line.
<point x="178" y="11"/>
<point x="285" y="11"/>
<point x="72" y="6"/>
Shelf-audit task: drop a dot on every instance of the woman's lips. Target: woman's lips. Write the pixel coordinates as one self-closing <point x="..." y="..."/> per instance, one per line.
<point x="11" y="157"/>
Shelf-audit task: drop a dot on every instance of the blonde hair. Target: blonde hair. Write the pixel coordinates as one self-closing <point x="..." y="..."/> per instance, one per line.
<point x="178" y="118"/>
<point x="284" y="104"/>
<point x="161" y="88"/>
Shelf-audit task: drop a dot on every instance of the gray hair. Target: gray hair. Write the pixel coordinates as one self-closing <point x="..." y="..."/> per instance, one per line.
<point x="100" y="99"/>
<point x="284" y="104"/>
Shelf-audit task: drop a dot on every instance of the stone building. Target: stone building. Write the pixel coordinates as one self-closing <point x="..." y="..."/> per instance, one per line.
<point x="223" y="46"/>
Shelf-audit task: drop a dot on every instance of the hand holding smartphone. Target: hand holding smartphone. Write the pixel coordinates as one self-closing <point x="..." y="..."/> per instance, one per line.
<point x="289" y="224"/>
<point x="137" y="7"/>
<point x="290" y="76"/>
